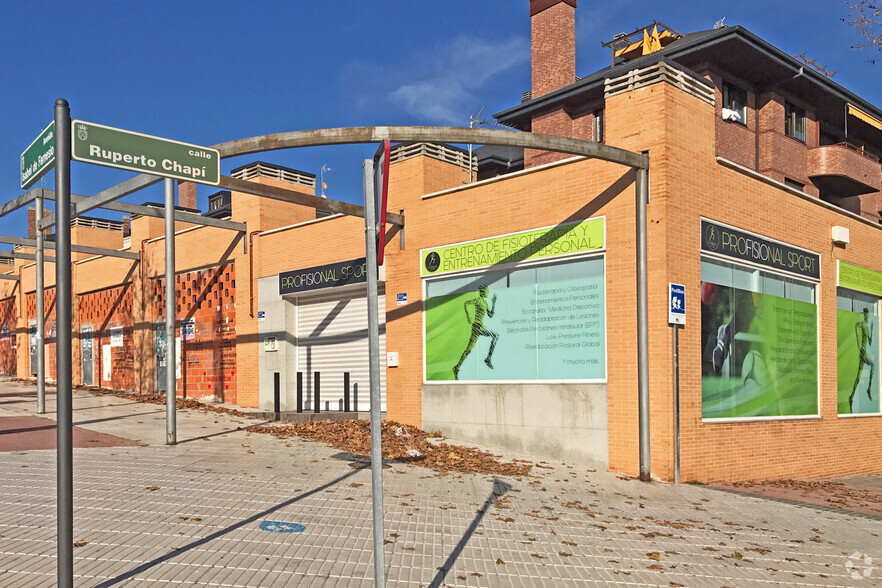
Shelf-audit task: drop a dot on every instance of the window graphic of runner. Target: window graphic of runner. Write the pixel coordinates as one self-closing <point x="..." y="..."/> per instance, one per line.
<point x="864" y="335"/>
<point x="478" y="329"/>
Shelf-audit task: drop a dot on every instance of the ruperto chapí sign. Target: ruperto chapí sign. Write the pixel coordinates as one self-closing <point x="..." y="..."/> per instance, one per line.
<point x="323" y="276"/>
<point x="111" y="147"/>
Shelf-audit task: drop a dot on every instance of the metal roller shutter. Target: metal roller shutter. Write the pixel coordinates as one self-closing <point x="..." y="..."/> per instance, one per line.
<point x="332" y="339"/>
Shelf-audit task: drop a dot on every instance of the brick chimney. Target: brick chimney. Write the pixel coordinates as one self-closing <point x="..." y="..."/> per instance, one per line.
<point x="186" y="194"/>
<point x="32" y="223"/>
<point x="553" y="42"/>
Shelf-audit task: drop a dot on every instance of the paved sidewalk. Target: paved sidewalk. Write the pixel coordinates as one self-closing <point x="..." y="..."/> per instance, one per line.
<point x="192" y="515"/>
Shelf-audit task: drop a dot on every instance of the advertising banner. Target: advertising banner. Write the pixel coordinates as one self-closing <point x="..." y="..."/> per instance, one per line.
<point x="331" y="275"/>
<point x="536" y="323"/>
<point x="566" y="239"/>
<point x="743" y="246"/>
<point x="857" y="351"/>
<point x="860" y="278"/>
<point x="759" y="354"/>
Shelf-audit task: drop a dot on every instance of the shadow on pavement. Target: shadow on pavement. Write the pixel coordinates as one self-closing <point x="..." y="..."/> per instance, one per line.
<point x="223" y="432"/>
<point x="499" y="489"/>
<point x="53" y="424"/>
<point x="162" y="559"/>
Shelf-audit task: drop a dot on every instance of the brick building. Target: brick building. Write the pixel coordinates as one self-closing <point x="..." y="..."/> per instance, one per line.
<point x="510" y="312"/>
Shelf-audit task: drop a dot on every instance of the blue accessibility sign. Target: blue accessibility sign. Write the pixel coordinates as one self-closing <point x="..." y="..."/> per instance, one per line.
<point x="677" y="304"/>
<point x="279" y="527"/>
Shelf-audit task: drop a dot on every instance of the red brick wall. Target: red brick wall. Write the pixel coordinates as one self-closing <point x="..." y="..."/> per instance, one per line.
<point x="49" y="330"/>
<point x="104" y="309"/>
<point x="780" y="156"/>
<point x="8" y="319"/>
<point x="208" y="361"/>
<point x="553" y="34"/>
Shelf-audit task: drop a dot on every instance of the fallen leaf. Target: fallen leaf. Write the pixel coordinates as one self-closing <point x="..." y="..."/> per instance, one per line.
<point x="79" y="543"/>
<point x="655" y="555"/>
<point x="151" y="488"/>
<point x="499" y="561"/>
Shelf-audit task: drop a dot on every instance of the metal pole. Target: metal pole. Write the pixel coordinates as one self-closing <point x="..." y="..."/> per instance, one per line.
<point x="316" y="392"/>
<point x="277" y="396"/>
<point x="171" y="426"/>
<point x="370" y="237"/>
<point x="676" y="404"/>
<point x="642" y="185"/>
<point x="64" y="369"/>
<point x="41" y="320"/>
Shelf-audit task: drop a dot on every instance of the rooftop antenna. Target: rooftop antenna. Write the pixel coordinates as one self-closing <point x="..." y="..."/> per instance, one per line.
<point x="473" y="120"/>
<point x="325" y="168"/>
<point x="720" y="24"/>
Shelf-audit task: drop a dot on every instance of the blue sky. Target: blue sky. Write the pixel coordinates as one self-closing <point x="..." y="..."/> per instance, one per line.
<point x="208" y="72"/>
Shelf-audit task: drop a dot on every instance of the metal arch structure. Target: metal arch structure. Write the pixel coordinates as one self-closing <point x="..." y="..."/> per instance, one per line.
<point x="152" y="211"/>
<point x="418" y="134"/>
<point x="355" y="135"/>
<point x="295" y="139"/>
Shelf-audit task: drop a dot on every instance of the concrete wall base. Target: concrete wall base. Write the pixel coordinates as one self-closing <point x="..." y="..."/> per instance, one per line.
<point x="562" y="422"/>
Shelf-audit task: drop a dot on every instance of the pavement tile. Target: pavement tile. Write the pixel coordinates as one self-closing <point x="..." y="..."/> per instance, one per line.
<point x="430" y="521"/>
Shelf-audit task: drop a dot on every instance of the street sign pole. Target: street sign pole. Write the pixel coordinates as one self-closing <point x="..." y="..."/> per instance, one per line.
<point x="676" y="404"/>
<point x="676" y="318"/>
<point x="41" y="319"/>
<point x="171" y="431"/>
<point x="64" y="370"/>
<point x="370" y="231"/>
<point x="642" y="189"/>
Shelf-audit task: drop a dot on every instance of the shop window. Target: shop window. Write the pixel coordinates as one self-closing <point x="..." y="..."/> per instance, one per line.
<point x="598" y="126"/>
<point x="536" y="322"/>
<point x="794" y="121"/>
<point x="759" y="343"/>
<point x="857" y="352"/>
<point x="734" y="103"/>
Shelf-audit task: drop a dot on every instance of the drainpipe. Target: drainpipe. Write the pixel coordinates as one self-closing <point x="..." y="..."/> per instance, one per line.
<point x="251" y="272"/>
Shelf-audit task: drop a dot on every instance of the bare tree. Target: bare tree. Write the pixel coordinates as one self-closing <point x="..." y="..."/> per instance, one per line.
<point x="865" y="16"/>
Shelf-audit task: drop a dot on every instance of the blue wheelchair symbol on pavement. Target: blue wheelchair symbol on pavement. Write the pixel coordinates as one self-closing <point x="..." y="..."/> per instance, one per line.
<point x="278" y="527"/>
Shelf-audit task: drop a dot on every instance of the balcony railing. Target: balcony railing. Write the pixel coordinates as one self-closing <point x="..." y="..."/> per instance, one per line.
<point x="857" y="149"/>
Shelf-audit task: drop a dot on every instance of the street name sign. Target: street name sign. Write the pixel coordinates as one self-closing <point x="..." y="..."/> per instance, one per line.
<point x="39" y="157"/>
<point x="102" y="145"/>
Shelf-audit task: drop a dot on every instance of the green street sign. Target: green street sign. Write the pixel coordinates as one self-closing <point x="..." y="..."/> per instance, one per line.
<point x="39" y="157"/>
<point x="94" y="143"/>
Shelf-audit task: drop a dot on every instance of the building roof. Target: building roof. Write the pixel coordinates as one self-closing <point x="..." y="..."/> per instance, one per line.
<point x="732" y="48"/>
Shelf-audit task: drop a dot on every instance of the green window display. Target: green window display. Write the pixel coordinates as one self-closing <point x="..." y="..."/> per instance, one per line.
<point x="857" y="352"/>
<point x="759" y="335"/>
<point x="539" y="322"/>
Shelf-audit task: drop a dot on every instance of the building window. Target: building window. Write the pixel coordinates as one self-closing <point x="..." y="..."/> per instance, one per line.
<point x="534" y="322"/>
<point x="759" y="342"/>
<point x="794" y="122"/>
<point x="734" y="103"/>
<point x="857" y="345"/>
<point x="598" y="126"/>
